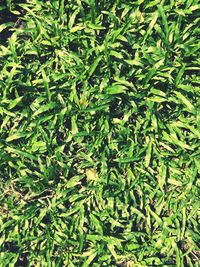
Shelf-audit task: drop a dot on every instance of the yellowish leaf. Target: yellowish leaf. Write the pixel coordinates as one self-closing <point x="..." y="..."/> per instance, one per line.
<point x="91" y="175"/>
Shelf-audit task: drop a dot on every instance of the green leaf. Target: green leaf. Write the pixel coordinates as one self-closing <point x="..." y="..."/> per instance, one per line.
<point x="20" y="153"/>
<point x="15" y="102"/>
<point x="116" y="89"/>
<point x="185" y="101"/>
<point x="44" y="108"/>
<point x="15" y="137"/>
<point x="94" y="65"/>
<point x="127" y="159"/>
<point x="164" y="18"/>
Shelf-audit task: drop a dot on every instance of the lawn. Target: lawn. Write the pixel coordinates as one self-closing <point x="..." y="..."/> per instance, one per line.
<point x="99" y="133"/>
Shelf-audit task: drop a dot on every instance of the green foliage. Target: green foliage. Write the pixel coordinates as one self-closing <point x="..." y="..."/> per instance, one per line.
<point x="99" y="133"/>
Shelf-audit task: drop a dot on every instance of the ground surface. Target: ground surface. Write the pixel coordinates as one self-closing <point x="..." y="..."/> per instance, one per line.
<point x="99" y="133"/>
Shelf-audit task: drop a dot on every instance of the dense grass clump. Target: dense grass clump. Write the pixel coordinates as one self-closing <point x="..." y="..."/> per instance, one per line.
<point x="99" y="133"/>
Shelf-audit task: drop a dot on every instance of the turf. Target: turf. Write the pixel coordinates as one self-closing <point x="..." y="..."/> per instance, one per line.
<point x="99" y="133"/>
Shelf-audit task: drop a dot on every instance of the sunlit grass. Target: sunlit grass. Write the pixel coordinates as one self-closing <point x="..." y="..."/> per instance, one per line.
<point x="99" y="133"/>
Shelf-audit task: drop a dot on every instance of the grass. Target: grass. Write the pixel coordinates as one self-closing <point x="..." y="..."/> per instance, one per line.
<point x="99" y="133"/>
